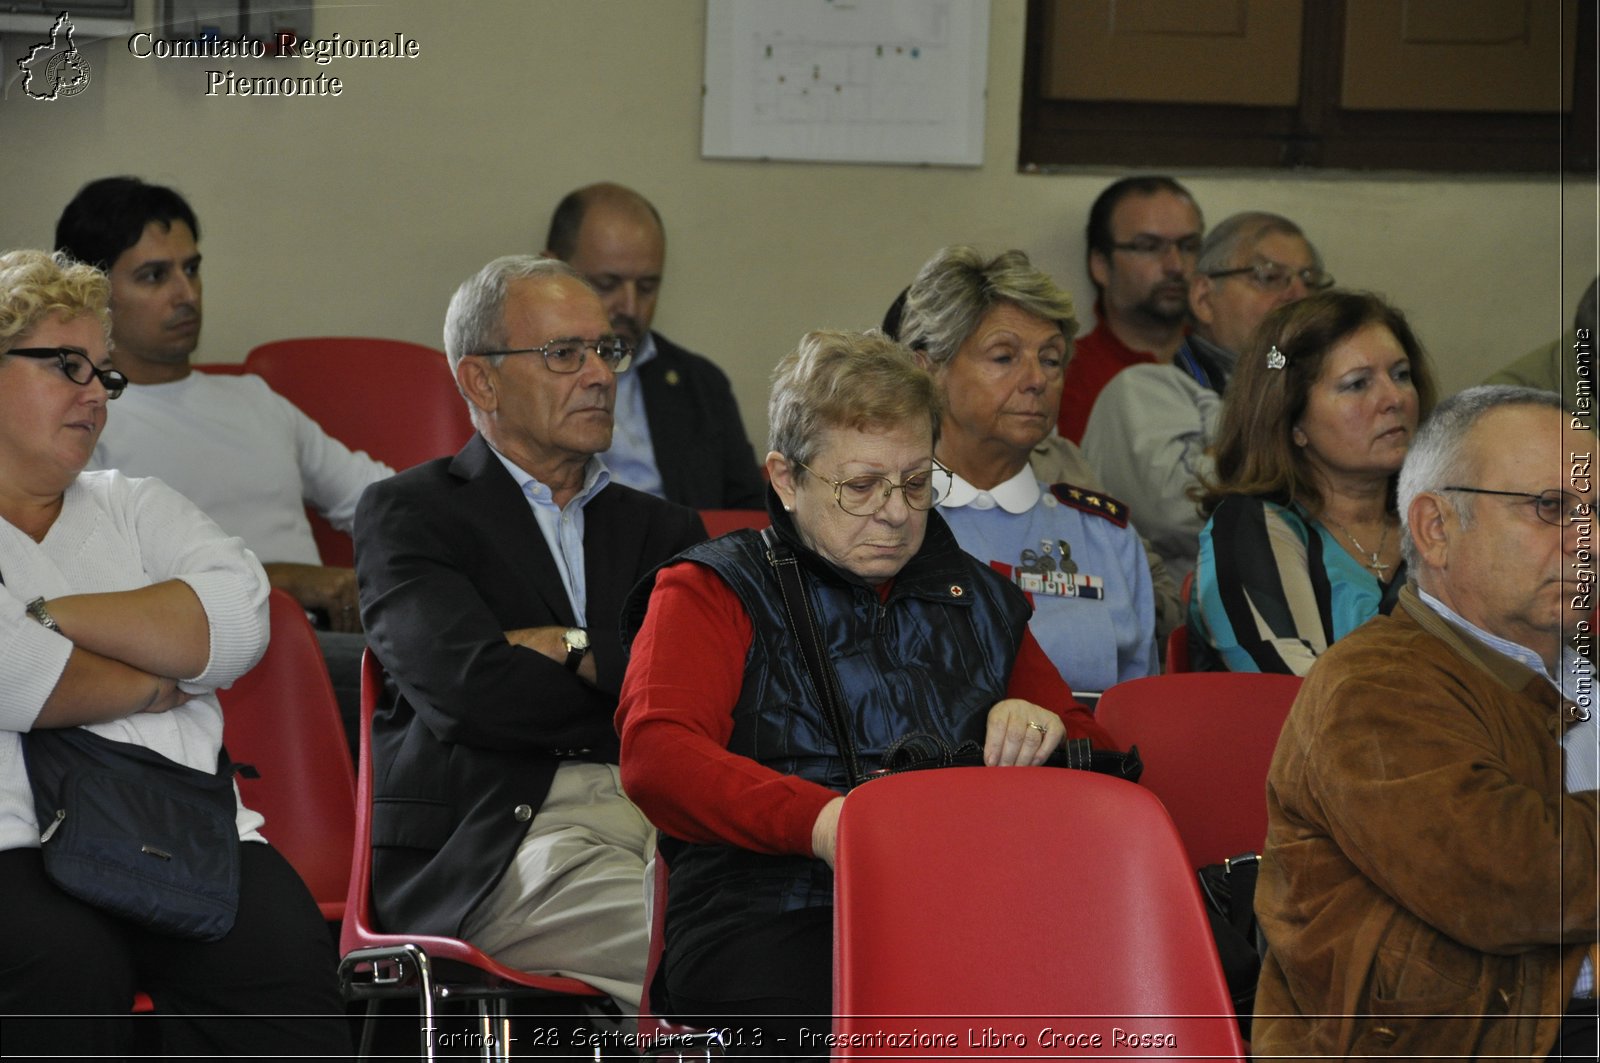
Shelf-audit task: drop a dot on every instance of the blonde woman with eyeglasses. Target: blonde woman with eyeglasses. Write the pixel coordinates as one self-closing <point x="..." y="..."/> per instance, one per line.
<point x="123" y="609"/>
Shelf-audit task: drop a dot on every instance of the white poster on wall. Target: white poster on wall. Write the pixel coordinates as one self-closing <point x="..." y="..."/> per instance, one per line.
<point x="884" y="81"/>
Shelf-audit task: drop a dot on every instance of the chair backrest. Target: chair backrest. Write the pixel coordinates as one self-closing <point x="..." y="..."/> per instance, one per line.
<point x="449" y="959"/>
<point x="395" y="400"/>
<point x="1178" y="650"/>
<point x="358" y="927"/>
<point x="722" y="521"/>
<point x="282" y="718"/>
<point x="1023" y="912"/>
<point x="1207" y="740"/>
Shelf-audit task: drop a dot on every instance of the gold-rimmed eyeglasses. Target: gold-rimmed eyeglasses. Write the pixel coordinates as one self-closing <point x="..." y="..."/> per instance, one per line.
<point x="863" y="496"/>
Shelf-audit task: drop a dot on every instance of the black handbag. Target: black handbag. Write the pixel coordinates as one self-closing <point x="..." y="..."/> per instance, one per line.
<point x="917" y="751"/>
<point x="1229" y="889"/>
<point x="134" y="833"/>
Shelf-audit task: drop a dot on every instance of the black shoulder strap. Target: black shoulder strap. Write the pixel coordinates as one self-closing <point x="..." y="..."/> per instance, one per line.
<point x="798" y="609"/>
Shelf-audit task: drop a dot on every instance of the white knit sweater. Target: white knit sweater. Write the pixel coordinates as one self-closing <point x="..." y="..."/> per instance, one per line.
<point x="115" y="534"/>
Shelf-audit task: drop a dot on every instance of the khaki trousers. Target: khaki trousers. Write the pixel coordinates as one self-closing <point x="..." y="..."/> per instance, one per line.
<point x="572" y="902"/>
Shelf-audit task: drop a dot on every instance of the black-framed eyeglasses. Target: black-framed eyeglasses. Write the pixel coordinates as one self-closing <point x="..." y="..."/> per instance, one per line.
<point x="1275" y="276"/>
<point x="863" y="496"/>
<point x="76" y="367"/>
<point x="1554" y="507"/>
<point x="567" y="355"/>
<point x="1157" y="246"/>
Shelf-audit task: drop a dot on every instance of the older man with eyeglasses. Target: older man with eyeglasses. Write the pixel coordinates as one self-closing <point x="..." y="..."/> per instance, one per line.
<point x="491" y="587"/>
<point x="1428" y="887"/>
<point x="1151" y="430"/>
<point x="1250" y="264"/>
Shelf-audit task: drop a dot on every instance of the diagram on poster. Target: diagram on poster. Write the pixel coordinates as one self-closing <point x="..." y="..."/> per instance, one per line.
<point x="898" y="81"/>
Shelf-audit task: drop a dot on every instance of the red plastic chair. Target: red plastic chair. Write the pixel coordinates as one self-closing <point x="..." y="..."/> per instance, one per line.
<point x="1178" y="650"/>
<point x="379" y="965"/>
<point x="1020" y="913"/>
<point x="395" y="400"/>
<point x="282" y="719"/>
<point x="1207" y="739"/>
<point x="662" y="1038"/>
<point x="221" y="368"/>
<point x="722" y="521"/>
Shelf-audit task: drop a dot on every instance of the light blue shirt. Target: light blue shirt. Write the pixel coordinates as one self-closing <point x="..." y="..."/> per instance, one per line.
<point x="562" y="526"/>
<point x="1581" y="743"/>
<point x="1097" y="625"/>
<point x="632" y="457"/>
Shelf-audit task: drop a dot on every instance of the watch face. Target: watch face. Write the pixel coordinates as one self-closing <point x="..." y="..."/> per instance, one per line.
<point x="576" y="638"/>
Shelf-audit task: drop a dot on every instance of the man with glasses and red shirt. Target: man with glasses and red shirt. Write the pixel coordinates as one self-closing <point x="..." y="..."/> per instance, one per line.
<point x="1143" y="236"/>
<point x="1151" y="429"/>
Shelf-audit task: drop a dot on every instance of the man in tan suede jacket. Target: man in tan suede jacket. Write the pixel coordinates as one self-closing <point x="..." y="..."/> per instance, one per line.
<point x="1429" y="885"/>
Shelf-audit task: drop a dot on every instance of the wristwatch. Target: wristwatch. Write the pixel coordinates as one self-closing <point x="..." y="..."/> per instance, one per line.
<point x="37" y="610"/>
<point x="576" y="640"/>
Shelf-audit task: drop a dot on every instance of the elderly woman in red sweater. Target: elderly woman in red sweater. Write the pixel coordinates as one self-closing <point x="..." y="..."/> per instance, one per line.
<point x="726" y="745"/>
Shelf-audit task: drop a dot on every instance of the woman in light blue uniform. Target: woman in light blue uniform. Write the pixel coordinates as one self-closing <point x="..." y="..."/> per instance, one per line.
<point x="1303" y="541"/>
<point x="996" y="334"/>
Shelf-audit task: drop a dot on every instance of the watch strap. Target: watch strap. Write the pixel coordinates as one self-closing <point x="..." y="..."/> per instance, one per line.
<point x="40" y="612"/>
<point x="575" y="653"/>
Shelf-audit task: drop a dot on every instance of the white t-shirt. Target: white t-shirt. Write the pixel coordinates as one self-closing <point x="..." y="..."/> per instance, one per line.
<point x="241" y="452"/>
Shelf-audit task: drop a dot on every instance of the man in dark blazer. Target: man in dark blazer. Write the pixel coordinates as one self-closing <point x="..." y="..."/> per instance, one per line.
<point x="679" y="435"/>
<point x="491" y="589"/>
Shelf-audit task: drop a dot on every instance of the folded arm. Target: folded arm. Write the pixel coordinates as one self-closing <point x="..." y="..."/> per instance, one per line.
<point x="96" y="689"/>
<point x="161" y="628"/>
<point x="200" y="624"/>
<point x="444" y="644"/>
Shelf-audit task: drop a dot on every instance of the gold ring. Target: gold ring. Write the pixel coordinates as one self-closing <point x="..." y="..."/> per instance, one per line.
<point x="1041" y="728"/>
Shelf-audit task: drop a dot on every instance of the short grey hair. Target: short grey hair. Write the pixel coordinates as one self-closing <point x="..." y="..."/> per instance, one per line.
<point x="1246" y="229"/>
<point x="958" y="285"/>
<point x="862" y="380"/>
<point x="1439" y="458"/>
<point x="475" y="319"/>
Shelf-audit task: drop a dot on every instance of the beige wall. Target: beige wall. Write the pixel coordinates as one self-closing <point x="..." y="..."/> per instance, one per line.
<point x="360" y="214"/>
